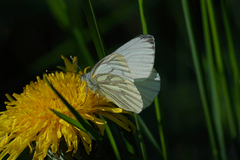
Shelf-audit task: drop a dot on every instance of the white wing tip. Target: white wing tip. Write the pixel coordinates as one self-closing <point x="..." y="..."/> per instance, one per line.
<point x="148" y="37"/>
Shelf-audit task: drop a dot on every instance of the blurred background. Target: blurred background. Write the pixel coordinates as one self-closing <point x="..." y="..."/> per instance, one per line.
<point x="33" y="38"/>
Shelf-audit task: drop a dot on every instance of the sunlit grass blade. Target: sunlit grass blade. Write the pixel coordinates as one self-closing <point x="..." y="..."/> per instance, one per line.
<point x="146" y="29"/>
<point x="160" y="128"/>
<point x="93" y="27"/>
<point x="128" y="144"/>
<point x="149" y="136"/>
<point x="140" y="138"/>
<point x="211" y="68"/>
<point x="213" y="85"/>
<point x="70" y="120"/>
<point x="220" y="69"/>
<point x="233" y="62"/>
<point x="144" y="16"/>
<point x="111" y="139"/>
<point x="199" y="76"/>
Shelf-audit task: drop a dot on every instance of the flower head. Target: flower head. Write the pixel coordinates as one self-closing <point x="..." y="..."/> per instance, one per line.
<point x="29" y="119"/>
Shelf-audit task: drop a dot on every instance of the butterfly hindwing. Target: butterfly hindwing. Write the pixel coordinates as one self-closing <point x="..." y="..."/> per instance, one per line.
<point x="149" y="88"/>
<point x="120" y="91"/>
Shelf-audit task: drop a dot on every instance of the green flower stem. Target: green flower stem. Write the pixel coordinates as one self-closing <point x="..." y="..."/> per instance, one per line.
<point x="199" y="76"/>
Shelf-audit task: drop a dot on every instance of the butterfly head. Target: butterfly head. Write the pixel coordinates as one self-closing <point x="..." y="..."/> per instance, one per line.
<point x="91" y="84"/>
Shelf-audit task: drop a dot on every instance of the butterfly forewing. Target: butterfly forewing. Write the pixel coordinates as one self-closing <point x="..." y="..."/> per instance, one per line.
<point x="139" y="54"/>
<point x="114" y="64"/>
<point x="120" y="91"/>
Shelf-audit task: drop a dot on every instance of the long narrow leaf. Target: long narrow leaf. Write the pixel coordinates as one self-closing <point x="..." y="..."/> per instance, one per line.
<point x="111" y="139"/>
<point x="233" y="62"/>
<point x="149" y="135"/>
<point x="145" y="29"/>
<point x="221" y="77"/>
<point x="144" y="16"/>
<point x="199" y="76"/>
<point x="140" y="138"/>
<point x="93" y="26"/>
<point x="211" y="69"/>
<point x="70" y="120"/>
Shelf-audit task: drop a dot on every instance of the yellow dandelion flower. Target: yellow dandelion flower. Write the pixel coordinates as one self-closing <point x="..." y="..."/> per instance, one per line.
<point x="28" y="117"/>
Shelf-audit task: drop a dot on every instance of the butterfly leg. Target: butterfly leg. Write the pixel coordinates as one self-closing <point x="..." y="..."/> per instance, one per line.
<point x="98" y="98"/>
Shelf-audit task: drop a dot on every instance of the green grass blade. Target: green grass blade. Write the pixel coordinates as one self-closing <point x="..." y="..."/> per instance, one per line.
<point x="140" y="138"/>
<point x="220" y="69"/>
<point x="233" y="62"/>
<point x="145" y="29"/>
<point x="161" y="128"/>
<point x="93" y="26"/>
<point x="149" y="135"/>
<point x="128" y="144"/>
<point x="111" y="139"/>
<point x="212" y="78"/>
<point x="144" y="16"/>
<point x="70" y="120"/>
<point x="211" y="67"/>
<point x="199" y="76"/>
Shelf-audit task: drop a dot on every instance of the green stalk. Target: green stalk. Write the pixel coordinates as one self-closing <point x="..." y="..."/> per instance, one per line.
<point x="144" y="16"/>
<point x="111" y="139"/>
<point x="199" y="76"/>
<point x="212" y="76"/>
<point x="220" y="69"/>
<point x="149" y="135"/>
<point x="233" y="62"/>
<point x="146" y="28"/>
<point x="160" y="128"/>
<point x="93" y="27"/>
<point x="140" y="138"/>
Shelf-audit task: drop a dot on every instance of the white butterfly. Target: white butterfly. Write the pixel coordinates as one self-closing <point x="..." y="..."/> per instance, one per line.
<point x="127" y="77"/>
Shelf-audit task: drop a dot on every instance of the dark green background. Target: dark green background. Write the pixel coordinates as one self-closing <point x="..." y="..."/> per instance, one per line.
<point x="29" y="34"/>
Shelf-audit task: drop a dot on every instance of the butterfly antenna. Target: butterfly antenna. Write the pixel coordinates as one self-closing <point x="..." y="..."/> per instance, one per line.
<point x="76" y="63"/>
